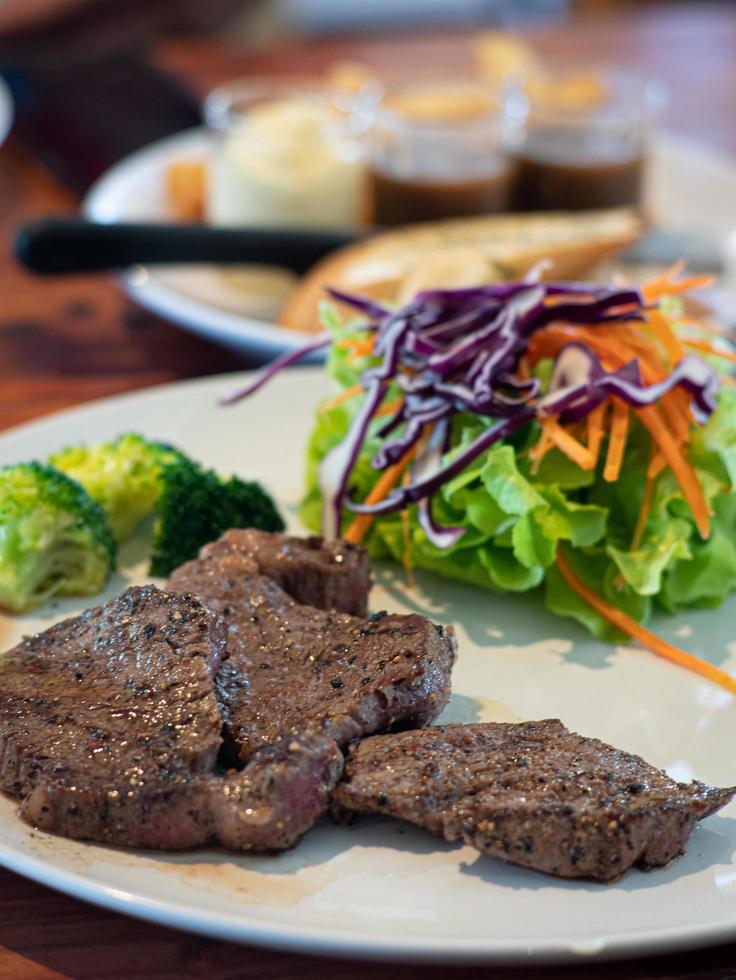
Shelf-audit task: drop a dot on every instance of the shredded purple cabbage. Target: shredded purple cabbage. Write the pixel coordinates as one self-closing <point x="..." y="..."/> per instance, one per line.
<point x="272" y="369"/>
<point x="458" y="350"/>
<point x="572" y="395"/>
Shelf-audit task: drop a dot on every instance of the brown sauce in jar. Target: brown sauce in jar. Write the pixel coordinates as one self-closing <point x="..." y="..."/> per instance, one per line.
<point x="402" y="200"/>
<point x="575" y="179"/>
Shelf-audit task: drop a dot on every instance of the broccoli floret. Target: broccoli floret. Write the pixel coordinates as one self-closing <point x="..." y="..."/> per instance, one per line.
<point x="197" y="506"/>
<point x="124" y="476"/>
<point x="132" y="478"/>
<point x="54" y="538"/>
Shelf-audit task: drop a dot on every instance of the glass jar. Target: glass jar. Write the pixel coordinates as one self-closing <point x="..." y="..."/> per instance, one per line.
<point x="436" y="151"/>
<point x="586" y="139"/>
<point x="283" y="157"/>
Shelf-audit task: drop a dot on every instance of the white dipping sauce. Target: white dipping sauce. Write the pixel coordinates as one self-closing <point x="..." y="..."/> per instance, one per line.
<point x="285" y="163"/>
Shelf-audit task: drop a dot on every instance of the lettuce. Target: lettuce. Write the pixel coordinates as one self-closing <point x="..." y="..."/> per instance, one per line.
<point x="516" y="519"/>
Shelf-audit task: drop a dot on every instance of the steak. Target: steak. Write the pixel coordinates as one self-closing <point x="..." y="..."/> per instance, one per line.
<point x="315" y="572"/>
<point x="296" y="669"/>
<point x="532" y="794"/>
<point x="110" y="731"/>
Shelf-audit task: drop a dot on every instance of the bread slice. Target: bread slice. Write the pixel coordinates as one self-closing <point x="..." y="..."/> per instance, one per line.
<point x="394" y="265"/>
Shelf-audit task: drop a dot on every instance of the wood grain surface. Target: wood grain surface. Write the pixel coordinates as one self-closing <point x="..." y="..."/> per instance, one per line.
<point x="71" y="340"/>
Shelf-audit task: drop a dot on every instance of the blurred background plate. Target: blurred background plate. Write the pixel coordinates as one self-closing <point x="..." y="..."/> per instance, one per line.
<point x="6" y="111"/>
<point x="233" y="308"/>
<point x="690" y="189"/>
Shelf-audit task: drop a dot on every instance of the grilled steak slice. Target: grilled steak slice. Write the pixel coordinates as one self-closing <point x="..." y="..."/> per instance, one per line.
<point x="266" y="807"/>
<point x="296" y="669"/>
<point x="110" y="730"/>
<point x="315" y="572"/>
<point x="533" y="794"/>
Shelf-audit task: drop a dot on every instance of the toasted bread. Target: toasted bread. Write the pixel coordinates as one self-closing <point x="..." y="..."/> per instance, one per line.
<point x="393" y="265"/>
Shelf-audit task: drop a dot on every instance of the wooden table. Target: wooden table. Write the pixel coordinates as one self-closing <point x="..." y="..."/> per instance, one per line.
<point x="67" y="341"/>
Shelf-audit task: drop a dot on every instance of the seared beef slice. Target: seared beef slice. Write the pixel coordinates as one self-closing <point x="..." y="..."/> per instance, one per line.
<point x="315" y="572"/>
<point x="296" y="669"/>
<point x="533" y="794"/>
<point x="109" y="730"/>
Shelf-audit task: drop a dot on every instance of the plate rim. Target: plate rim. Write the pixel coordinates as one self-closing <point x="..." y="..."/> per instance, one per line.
<point x="320" y="942"/>
<point x="314" y="940"/>
<point x="220" y="325"/>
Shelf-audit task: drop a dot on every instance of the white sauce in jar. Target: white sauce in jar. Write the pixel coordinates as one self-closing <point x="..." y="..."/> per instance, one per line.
<point x="285" y="162"/>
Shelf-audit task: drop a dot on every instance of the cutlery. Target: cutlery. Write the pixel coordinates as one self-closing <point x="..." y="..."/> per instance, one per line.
<point x="55" y="246"/>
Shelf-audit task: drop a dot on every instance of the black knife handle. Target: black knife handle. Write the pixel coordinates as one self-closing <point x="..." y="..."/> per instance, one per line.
<point x="54" y="246"/>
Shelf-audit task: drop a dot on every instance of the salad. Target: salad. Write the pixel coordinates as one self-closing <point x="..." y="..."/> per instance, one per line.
<point x="575" y="438"/>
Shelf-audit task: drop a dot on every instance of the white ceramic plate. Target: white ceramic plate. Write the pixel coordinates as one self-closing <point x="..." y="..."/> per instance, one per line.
<point x="690" y="189"/>
<point x="380" y="888"/>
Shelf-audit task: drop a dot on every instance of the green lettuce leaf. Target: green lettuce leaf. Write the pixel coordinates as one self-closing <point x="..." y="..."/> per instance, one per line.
<point x="719" y="434"/>
<point x="709" y="574"/>
<point x="513" y="493"/>
<point x="643" y="569"/>
<point x="532" y="546"/>
<point x="566" y="520"/>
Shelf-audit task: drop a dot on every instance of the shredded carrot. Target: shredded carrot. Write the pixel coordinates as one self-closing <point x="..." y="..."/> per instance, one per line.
<point x="616" y="441"/>
<point x="657" y="464"/>
<point x="677" y="415"/>
<point x="646" y="506"/>
<point x="552" y="301"/>
<point x="666" y="276"/>
<point x="341" y="397"/>
<point x="570" y="446"/>
<point x="540" y="450"/>
<point x="667" y="284"/>
<point x="614" y="354"/>
<point x="665" y="335"/>
<point x="357" y="347"/>
<point x="612" y="349"/>
<point x="710" y="349"/>
<point x="652" y="292"/>
<point x="605" y="343"/>
<point x="680" y="466"/>
<point x="383" y="486"/>
<point x="637" y="632"/>
<point x="385" y="483"/>
<point x="388" y="408"/>
<point x="617" y="348"/>
<point x="683" y="399"/>
<point x="595" y="421"/>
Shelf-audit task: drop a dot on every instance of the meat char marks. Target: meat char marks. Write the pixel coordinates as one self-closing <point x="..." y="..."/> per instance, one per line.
<point x="110" y="731"/>
<point x="294" y="668"/>
<point x="532" y="794"/>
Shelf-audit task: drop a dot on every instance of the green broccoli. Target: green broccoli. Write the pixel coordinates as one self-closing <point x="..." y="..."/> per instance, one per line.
<point x="197" y="506"/>
<point x="123" y="476"/>
<point x="132" y="478"/>
<point x="54" y="538"/>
